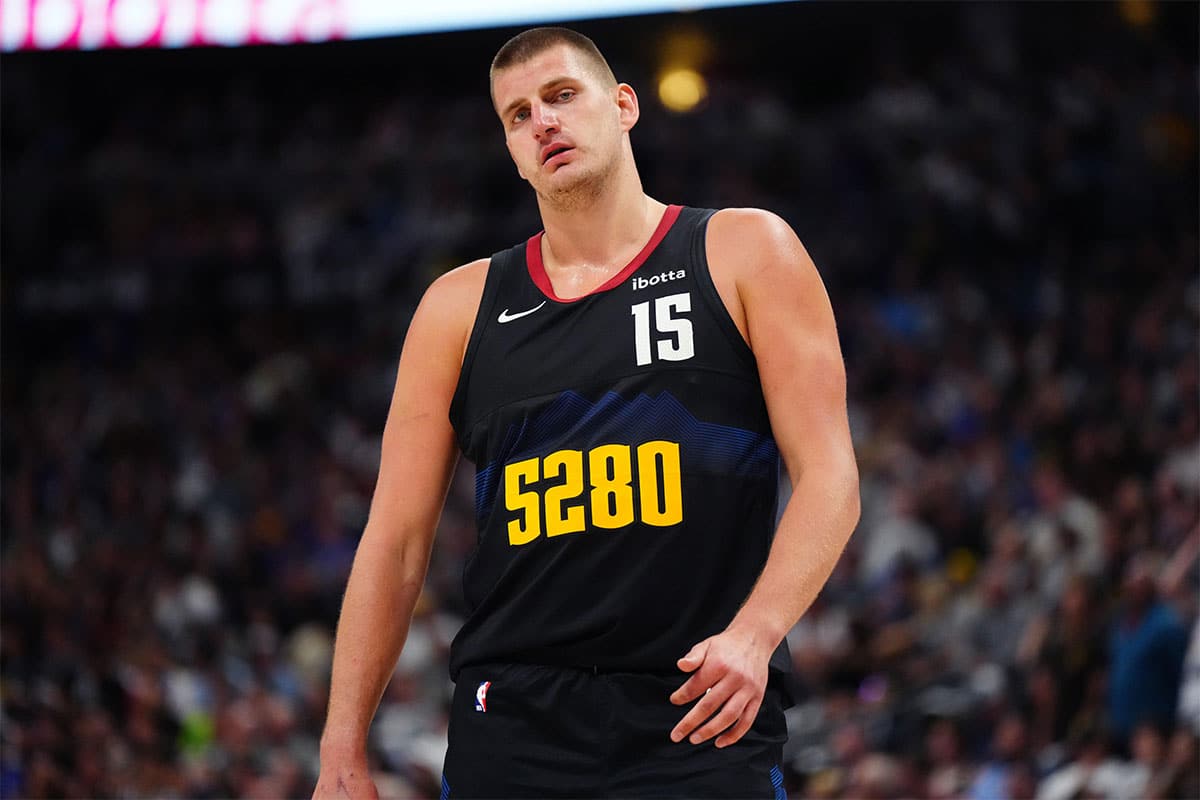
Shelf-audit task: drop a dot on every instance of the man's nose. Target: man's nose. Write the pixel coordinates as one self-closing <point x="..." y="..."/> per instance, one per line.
<point x="544" y="119"/>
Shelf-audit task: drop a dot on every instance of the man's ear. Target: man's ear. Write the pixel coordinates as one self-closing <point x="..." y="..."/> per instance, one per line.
<point x="627" y="101"/>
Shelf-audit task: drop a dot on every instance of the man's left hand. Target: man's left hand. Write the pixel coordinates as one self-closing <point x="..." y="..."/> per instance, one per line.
<point x="729" y="674"/>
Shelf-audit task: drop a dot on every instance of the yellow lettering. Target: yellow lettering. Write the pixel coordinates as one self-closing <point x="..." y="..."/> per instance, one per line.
<point x="569" y="464"/>
<point x="610" y="467"/>
<point x="517" y="476"/>
<point x="666" y="509"/>
<point x="610" y="473"/>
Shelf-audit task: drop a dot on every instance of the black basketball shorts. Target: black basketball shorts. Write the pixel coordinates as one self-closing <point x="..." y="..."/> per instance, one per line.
<point x="520" y="730"/>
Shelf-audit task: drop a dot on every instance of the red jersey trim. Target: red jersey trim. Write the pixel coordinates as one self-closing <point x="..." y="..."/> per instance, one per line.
<point x="537" y="269"/>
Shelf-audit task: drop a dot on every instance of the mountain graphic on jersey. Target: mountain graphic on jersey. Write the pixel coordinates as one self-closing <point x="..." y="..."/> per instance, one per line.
<point x="572" y="421"/>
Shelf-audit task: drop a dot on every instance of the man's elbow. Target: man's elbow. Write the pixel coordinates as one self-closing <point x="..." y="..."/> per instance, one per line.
<point x="831" y="481"/>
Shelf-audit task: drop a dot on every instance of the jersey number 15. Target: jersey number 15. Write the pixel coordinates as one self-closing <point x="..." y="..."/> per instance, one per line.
<point x="679" y="348"/>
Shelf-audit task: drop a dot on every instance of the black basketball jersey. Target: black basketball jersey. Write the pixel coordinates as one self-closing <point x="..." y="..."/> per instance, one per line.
<point x="626" y="472"/>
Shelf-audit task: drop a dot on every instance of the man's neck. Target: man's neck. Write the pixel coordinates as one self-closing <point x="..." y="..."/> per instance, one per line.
<point x="602" y="235"/>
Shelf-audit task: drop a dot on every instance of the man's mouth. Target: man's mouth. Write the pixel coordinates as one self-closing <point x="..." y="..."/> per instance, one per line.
<point x="554" y="152"/>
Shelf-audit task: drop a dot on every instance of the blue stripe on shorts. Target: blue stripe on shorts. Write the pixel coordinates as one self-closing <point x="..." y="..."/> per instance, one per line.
<point x="776" y="781"/>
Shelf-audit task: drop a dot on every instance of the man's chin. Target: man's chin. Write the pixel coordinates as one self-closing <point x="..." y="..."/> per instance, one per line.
<point x="569" y="188"/>
<point x="562" y="176"/>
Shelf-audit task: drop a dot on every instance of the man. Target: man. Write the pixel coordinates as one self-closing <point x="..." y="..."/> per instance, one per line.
<point x="1147" y="647"/>
<point x="622" y="382"/>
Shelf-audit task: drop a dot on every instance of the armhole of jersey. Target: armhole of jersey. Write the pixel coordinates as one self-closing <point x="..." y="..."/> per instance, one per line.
<point x="491" y="289"/>
<point x="708" y="289"/>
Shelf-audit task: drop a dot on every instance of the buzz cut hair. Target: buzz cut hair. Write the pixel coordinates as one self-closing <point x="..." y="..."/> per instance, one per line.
<point x="535" y="41"/>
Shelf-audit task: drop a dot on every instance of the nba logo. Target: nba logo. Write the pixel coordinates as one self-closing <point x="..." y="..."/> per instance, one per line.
<point x="481" y="696"/>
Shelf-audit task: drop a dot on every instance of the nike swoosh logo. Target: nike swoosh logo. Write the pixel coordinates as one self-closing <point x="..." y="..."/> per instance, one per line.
<point x="507" y="317"/>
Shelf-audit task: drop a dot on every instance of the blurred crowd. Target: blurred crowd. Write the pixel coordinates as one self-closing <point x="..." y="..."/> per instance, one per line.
<point x="205" y="297"/>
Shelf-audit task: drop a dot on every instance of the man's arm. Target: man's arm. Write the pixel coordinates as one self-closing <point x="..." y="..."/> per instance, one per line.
<point x="777" y="299"/>
<point x="416" y="463"/>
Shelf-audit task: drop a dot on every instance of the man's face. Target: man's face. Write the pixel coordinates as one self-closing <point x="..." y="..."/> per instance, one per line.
<point x="562" y="124"/>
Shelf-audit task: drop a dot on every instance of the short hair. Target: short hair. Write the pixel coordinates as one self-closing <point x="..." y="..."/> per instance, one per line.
<point x="535" y="41"/>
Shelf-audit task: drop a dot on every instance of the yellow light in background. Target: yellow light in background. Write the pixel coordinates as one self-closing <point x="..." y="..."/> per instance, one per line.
<point x="1138" y="13"/>
<point x="681" y="89"/>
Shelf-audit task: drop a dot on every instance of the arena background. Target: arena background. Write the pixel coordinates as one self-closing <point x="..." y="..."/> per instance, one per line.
<point x="210" y="257"/>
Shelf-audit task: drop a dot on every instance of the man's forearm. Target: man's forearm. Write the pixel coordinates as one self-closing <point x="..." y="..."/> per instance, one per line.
<point x="384" y="585"/>
<point x="816" y="524"/>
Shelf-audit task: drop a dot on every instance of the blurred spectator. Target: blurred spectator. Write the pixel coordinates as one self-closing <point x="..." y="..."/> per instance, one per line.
<point x="1068" y="644"/>
<point x="1003" y="771"/>
<point x="1148" y="646"/>
<point x="948" y="771"/>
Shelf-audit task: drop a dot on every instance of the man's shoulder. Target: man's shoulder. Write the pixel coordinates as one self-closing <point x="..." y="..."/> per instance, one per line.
<point x="460" y="287"/>
<point x="466" y="279"/>
<point x="750" y="226"/>
<point x="746" y="239"/>
<point x="452" y="300"/>
<point x="749" y="217"/>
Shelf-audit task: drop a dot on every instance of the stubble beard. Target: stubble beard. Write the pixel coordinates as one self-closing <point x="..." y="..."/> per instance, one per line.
<point x="580" y="192"/>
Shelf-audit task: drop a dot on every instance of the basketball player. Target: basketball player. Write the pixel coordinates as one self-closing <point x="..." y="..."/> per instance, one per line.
<point x="625" y="382"/>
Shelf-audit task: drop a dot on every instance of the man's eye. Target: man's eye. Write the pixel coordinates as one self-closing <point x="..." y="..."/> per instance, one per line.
<point x="565" y="94"/>
<point x="520" y="116"/>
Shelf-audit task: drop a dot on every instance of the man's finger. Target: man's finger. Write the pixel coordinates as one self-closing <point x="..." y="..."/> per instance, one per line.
<point x="707" y="706"/>
<point x="694" y="657"/>
<point x="749" y="714"/>
<point x="694" y="687"/>
<point x="727" y="716"/>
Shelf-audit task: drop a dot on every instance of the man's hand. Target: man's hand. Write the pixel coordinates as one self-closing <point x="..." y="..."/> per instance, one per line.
<point x="729" y="674"/>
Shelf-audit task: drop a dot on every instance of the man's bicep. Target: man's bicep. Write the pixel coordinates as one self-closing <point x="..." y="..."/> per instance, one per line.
<point x="419" y="449"/>
<point x="795" y="342"/>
